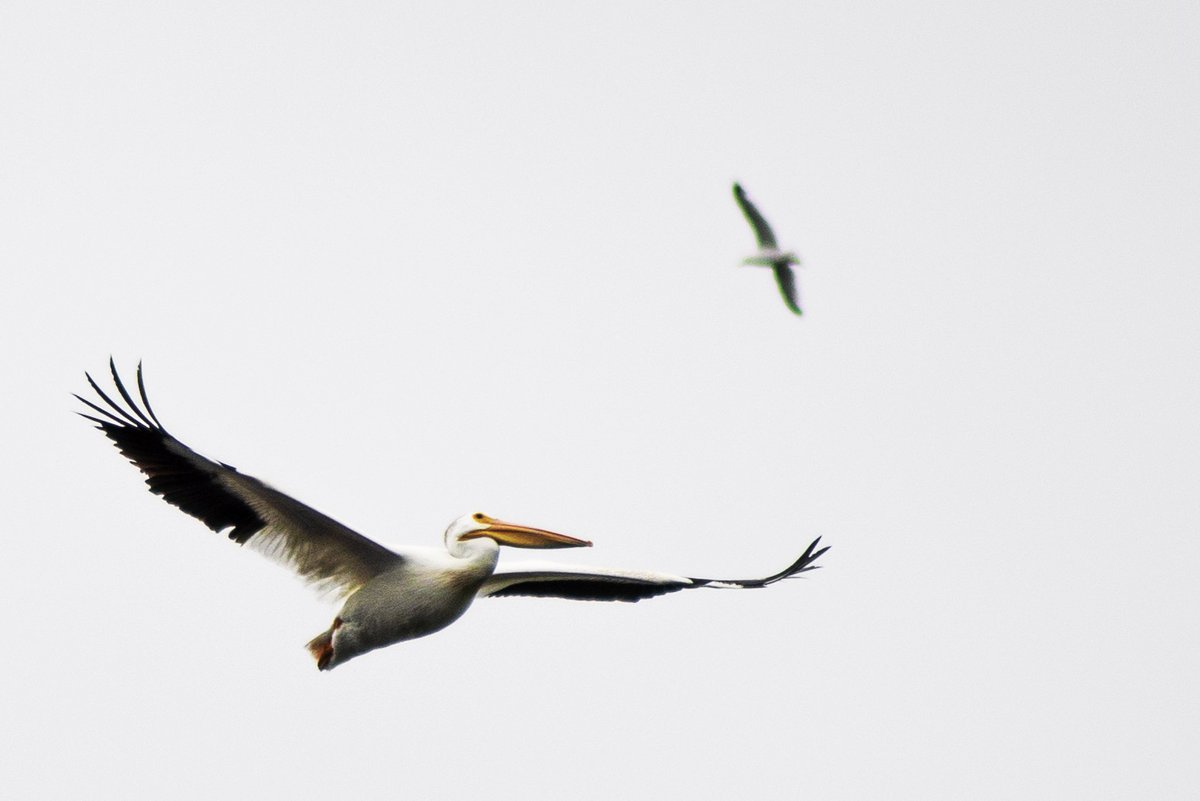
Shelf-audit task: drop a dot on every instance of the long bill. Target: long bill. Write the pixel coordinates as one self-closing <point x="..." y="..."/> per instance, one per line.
<point x="524" y="536"/>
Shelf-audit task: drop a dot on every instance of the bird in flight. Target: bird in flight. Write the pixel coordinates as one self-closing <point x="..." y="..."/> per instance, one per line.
<point x="769" y="254"/>
<point x="391" y="595"/>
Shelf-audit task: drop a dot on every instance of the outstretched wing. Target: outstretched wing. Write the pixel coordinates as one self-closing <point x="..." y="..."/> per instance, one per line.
<point x="600" y="584"/>
<point x="320" y="549"/>
<point x="785" y="277"/>
<point x="766" y="237"/>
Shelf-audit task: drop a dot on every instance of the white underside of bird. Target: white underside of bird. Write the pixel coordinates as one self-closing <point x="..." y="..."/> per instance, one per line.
<point x="771" y="258"/>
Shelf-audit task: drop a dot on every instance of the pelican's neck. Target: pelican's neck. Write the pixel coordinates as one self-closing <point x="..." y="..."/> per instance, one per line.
<point x="483" y="551"/>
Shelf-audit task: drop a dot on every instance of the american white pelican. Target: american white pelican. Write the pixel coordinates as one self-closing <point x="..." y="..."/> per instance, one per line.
<point x="391" y="596"/>
<point x="769" y="254"/>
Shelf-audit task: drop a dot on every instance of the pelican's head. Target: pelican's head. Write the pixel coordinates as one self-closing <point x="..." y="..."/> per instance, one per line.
<point x="479" y="525"/>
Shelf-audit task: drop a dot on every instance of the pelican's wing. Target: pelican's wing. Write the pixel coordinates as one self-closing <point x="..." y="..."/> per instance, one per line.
<point x="320" y="549"/>
<point x="786" y="279"/>
<point x="600" y="584"/>
<point x="766" y="237"/>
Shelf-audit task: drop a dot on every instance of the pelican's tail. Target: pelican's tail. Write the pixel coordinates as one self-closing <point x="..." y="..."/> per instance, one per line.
<point x="321" y="646"/>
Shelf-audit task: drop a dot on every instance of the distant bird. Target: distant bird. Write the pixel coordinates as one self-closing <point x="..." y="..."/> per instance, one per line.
<point x="391" y="595"/>
<point x="769" y="254"/>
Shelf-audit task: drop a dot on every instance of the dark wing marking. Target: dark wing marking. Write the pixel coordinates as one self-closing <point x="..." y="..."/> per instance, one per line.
<point x="599" y="584"/>
<point x="582" y="584"/>
<point x="785" y="277"/>
<point x="320" y="549"/>
<point x="766" y="237"/>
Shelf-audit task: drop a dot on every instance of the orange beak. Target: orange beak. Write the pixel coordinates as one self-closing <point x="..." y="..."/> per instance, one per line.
<point x="523" y="536"/>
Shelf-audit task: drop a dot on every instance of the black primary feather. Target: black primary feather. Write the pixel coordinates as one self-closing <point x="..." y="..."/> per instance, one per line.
<point x="173" y="471"/>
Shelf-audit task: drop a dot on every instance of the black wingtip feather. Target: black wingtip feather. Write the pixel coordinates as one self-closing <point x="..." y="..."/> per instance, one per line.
<point x="112" y="419"/>
<point x="805" y="562"/>
<point x="146" y="401"/>
<point x="179" y="476"/>
<point x="801" y="565"/>
<point x="124" y="414"/>
<point x="112" y="366"/>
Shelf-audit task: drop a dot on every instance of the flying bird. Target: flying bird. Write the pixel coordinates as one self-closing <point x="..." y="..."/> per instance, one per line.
<point x="391" y="595"/>
<point x="769" y="254"/>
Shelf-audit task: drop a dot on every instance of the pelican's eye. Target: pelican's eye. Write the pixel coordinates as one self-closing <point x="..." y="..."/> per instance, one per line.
<point x="478" y="516"/>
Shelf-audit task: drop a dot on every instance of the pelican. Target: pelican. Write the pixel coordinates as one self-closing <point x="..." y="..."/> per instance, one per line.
<point x="390" y="595"/>
<point x="769" y="254"/>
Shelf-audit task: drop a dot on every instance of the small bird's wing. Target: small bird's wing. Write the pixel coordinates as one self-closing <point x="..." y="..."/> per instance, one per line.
<point x="549" y="580"/>
<point x="785" y="277"/>
<point x="766" y="237"/>
<point x="320" y="549"/>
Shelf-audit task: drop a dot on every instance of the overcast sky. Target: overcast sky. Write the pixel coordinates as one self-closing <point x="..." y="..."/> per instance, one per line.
<point x="407" y="261"/>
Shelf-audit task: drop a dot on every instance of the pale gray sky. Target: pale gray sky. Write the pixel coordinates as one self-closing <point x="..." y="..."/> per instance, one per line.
<point x="410" y="263"/>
